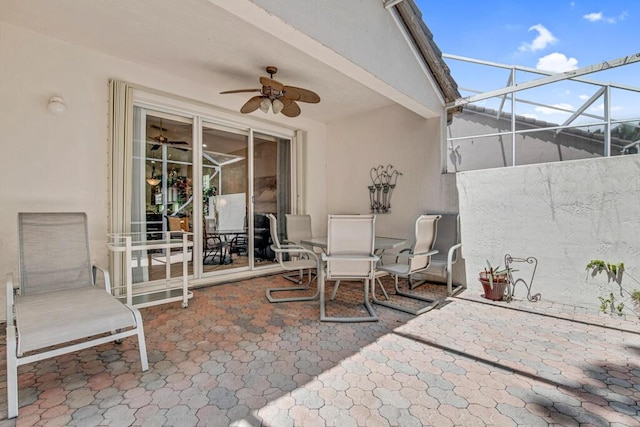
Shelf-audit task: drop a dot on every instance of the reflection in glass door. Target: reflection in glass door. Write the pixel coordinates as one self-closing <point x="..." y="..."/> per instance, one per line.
<point x="271" y="190"/>
<point x="162" y="192"/>
<point x="241" y="176"/>
<point x="225" y="200"/>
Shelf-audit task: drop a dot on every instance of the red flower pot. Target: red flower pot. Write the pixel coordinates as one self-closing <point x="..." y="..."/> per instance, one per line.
<point x="495" y="293"/>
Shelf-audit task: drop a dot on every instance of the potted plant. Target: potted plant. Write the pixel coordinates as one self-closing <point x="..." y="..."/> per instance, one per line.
<point x="494" y="281"/>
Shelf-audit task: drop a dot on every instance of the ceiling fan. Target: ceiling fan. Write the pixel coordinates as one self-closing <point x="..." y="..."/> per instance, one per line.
<point x="282" y="99"/>
<point x="161" y="139"/>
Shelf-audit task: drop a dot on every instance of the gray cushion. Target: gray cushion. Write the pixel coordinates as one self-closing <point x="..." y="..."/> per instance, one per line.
<point x="47" y="319"/>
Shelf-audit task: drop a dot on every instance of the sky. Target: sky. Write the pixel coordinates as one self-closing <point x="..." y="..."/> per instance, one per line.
<point x="554" y="35"/>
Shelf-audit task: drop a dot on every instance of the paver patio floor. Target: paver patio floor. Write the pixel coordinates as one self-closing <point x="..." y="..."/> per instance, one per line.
<point x="233" y="358"/>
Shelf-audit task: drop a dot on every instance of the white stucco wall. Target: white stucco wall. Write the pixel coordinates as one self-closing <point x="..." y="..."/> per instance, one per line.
<point x="59" y="163"/>
<point x="564" y="214"/>
<point x="386" y="136"/>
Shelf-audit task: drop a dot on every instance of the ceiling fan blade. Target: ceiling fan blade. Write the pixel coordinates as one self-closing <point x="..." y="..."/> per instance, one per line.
<point x="240" y="90"/>
<point x="300" y="94"/>
<point x="274" y="84"/>
<point x="161" y="129"/>
<point x="251" y="105"/>
<point x="291" y="109"/>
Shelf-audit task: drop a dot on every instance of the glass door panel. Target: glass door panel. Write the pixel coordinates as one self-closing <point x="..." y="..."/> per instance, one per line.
<point x="225" y="201"/>
<point x="162" y="193"/>
<point x="271" y="190"/>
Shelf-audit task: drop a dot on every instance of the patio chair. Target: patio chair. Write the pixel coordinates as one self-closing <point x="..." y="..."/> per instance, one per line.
<point x="350" y="257"/>
<point x="303" y="259"/>
<point x="213" y="245"/>
<point x="417" y="259"/>
<point x="58" y="305"/>
<point x="298" y="229"/>
<point x="448" y="246"/>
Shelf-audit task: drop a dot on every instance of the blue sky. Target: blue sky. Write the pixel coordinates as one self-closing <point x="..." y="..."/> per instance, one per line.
<point x="552" y="35"/>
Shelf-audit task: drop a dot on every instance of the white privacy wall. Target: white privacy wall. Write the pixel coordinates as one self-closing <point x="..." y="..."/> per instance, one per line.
<point x="564" y="214"/>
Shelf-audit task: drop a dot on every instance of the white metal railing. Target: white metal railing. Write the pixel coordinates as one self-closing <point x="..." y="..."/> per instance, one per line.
<point x="603" y="123"/>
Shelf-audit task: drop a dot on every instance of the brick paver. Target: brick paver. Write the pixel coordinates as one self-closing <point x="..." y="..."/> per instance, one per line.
<point x="231" y="358"/>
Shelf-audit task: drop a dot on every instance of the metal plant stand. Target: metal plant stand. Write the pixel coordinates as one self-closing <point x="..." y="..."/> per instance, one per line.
<point x="508" y="261"/>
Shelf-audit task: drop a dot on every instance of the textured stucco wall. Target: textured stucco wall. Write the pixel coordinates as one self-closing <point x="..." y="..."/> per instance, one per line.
<point x="564" y="214"/>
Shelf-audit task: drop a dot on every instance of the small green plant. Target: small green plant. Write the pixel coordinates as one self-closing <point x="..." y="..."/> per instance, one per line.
<point x="614" y="273"/>
<point x="610" y="304"/>
<point x="635" y="297"/>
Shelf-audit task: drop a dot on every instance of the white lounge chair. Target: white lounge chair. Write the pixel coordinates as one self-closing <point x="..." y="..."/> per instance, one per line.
<point x="56" y="304"/>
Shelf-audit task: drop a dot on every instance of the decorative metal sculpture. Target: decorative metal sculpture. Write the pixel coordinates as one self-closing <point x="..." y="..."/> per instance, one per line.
<point x="508" y="261"/>
<point x="384" y="182"/>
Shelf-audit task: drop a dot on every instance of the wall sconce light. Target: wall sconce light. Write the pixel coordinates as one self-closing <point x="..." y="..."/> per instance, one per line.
<point x="384" y="182"/>
<point x="56" y="105"/>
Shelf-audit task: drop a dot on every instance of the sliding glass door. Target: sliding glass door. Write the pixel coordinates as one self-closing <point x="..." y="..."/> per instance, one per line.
<point x="225" y="198"/>
<point x="192" y="174"/>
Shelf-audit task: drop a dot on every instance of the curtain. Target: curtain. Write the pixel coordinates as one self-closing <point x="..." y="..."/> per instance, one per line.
<point x="120" y="162"/>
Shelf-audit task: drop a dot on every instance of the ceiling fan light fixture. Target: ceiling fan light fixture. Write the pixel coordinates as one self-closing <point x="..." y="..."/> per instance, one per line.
<point x="277" y="106"/>
<point x="153" y="181"/>
<point x="265" y="104"/>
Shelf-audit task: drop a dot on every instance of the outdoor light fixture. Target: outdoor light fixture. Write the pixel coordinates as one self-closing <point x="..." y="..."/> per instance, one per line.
<point x="56" y="105"/>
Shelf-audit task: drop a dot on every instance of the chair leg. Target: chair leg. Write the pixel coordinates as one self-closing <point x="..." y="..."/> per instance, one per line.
<point x="142" y="346"/>
<point x="373" y="317"/>
<point x="297" y="279"/>
<point x="270" y="298"/>
<point x="413" y="285"/>
<point x="12" y="373"/>
<point x="433" y="303"/>
<point x="335" y="290"/>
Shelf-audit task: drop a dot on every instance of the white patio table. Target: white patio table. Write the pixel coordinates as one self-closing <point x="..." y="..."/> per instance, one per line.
<point x="379" y="246"/>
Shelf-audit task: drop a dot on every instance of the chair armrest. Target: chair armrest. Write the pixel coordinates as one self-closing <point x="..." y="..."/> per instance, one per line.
<point x="452" y="251"/>
<point x="433" y="252"/>
<point x="105" y="274"/>
<point x="11" y="288"/>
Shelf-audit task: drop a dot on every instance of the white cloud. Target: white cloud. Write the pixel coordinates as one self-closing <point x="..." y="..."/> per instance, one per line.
<point x="548" y="111"/>
<point x="584" y="97"/>
<point x="557" y="63"/>
<point x="598" y="16"/>
<point x="593" y="17"/>
<point x="543" y="39"/>
<point x="600" y="108"/>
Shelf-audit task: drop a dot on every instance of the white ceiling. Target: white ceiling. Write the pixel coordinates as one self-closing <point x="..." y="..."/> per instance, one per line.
<point x="196" y="40"/>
